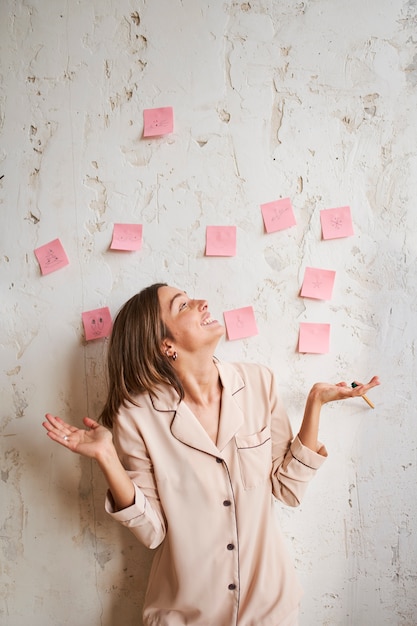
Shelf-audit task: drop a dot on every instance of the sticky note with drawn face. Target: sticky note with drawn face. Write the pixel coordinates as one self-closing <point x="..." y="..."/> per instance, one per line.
<point x="221" y="241"/>
<point x="97" y="323"/>
<point x="240" y="323"/>
<point x="336" y="223"/>
<point x="278" y="215"/>
<point x="314" y="338"/>
<point x="127" y="237"/>
<point x="318" y="283"/>
<point x="158" y="122"/>
<point x="51" y="257"/>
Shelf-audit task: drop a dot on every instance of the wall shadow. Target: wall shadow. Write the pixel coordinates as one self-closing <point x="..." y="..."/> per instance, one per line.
<point x="122" y="562"/>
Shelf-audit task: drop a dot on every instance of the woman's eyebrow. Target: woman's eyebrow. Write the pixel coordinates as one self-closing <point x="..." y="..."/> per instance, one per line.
<point x="177" y="295"/>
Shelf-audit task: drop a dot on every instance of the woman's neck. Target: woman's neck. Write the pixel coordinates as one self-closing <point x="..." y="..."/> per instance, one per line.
<point x="201" y="381"/>
<point x="203" y="396"/>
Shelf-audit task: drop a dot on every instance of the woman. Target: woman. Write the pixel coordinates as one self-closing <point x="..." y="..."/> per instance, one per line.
<point x="198" y="449"/>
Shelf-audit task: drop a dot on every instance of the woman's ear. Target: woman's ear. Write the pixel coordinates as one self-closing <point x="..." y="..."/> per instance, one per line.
<point x="167" y="348"/>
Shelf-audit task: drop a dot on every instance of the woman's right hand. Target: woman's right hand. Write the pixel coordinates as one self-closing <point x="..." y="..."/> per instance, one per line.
<point x="91" y="442"/>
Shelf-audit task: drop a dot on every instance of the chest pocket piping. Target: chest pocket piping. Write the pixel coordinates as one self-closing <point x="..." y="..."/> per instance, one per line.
<point x="255" y="457"/>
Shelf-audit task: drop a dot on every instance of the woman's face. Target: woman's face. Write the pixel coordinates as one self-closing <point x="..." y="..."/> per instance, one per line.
<point x="189" y="321"/>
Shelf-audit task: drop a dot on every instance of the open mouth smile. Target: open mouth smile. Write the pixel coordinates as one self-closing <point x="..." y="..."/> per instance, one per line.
<point x="208" y="321"/>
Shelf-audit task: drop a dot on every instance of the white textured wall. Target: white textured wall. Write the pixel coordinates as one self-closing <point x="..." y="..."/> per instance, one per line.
<point x="313" y="100"/>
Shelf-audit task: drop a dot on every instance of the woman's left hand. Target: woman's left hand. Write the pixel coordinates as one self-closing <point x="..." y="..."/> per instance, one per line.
<point x="325" y="392"/>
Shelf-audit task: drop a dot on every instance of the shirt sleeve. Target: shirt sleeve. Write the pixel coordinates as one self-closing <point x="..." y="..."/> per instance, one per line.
<point x="145" y="517"/>
<point x="293" y="464"/>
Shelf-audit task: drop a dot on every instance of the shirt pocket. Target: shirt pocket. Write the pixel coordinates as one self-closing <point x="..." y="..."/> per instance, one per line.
<point x="255" y="457"/>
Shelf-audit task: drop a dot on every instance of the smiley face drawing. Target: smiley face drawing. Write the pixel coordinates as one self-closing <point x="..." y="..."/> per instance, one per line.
<point x="97" y="325"/>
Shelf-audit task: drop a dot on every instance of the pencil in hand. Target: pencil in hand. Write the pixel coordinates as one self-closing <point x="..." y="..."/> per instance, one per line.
<point x="367" y="400"/>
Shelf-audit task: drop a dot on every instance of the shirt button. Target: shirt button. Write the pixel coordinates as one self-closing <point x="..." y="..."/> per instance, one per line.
<point x="232" y="587"/>
<point x="226" y="503"/>
<point x="219" y="460"/>
<point x="230" y="546"/>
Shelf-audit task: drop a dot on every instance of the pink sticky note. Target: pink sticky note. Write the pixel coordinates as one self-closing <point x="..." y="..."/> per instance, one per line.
<point x="278" y="215"/>
<point x="240" y="323"/>
<point x="314" y="338"/>
<point x="127" y="237"/>
<point x="336" y="223"/>
<point x="221" y="241"/>
<point x="97" y="323"/>
<point x="51" y="257"/>
<point x="158" y="121"/>
<point x="318" y="283"/>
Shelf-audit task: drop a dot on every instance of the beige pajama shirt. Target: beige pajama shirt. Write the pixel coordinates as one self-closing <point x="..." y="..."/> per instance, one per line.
<point x="207" y="510"/>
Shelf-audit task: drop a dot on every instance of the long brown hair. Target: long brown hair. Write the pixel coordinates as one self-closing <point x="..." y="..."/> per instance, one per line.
<point x="135" y="362"/>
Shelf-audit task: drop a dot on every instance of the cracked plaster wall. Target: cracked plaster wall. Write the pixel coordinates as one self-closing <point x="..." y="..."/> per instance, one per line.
<point x="313" y="100"/>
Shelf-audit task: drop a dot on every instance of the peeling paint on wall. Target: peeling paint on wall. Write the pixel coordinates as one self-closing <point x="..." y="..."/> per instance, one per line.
<point x="311" y="100"/>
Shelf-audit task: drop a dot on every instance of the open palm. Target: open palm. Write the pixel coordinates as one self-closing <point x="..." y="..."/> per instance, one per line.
<point x="329" y="393"/>
<point x="91" y="441"/>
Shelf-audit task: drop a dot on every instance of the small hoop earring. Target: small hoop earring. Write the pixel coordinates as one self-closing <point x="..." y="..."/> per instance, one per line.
<point x="174" y="356"/>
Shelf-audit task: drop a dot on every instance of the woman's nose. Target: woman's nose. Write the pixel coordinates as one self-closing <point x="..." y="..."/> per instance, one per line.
<point x="202" y="304"/>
